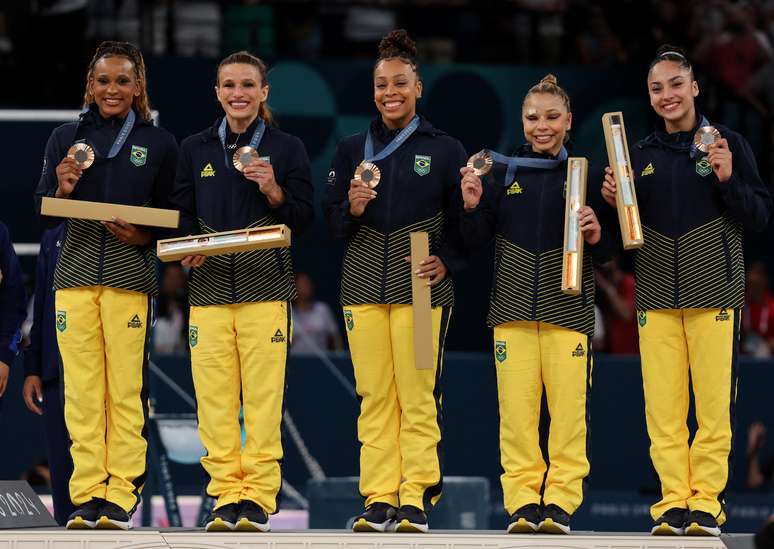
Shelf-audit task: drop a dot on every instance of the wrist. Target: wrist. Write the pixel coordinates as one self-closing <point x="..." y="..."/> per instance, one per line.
<point x="276" y="196"/>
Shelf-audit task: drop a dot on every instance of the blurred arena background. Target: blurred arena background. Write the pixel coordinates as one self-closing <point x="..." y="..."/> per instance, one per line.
<point x="478" y="58"/>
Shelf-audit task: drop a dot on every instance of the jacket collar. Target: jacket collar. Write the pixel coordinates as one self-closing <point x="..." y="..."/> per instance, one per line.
<point x="384" y="135"/>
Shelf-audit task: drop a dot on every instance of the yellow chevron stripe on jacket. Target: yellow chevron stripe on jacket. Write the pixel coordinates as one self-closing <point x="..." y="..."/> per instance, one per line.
<point x="528" y="287"/>
<point x="702" y="269"/>
<point x="375" y="270"/>
<point x="93" y="256"/>
<point x="245" y="277"/>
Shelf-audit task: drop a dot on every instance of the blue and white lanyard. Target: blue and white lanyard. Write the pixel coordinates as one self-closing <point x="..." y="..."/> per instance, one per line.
<point x="255" y="140"/>
<point x="513" y="162"/>
<point x="123" y="134"/>
<point x="397" y="141"/>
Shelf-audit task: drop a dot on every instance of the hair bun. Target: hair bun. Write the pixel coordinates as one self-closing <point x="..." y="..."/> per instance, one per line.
<point x="549" y="79"/>
<point x="397" y="43"/>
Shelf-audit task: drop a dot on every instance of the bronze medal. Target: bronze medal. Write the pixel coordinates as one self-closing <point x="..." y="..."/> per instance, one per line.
<point x="83" y="155"/>
<point x="368" y="173"/>
<point x="244" y="156"/>
<point x="705" y="137"/>
<point x="481" y="162"/>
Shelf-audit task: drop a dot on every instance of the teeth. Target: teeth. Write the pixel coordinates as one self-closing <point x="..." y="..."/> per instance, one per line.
<point x="392" y="104"/>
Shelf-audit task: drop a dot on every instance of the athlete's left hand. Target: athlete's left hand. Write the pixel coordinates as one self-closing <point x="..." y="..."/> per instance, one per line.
<point x="431" y="268"/>
<point x="589" y="225"/>
<point x="721" y="160"/>
<point x="4" y="371"/>
<point x="1" y="276"/>
<point x="128" y="233"/>
<point x="262" y="172"/>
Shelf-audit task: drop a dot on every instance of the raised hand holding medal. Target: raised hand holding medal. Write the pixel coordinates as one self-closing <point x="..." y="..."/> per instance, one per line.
<point x="478" y="166"/>
<point x="707" y="139"/>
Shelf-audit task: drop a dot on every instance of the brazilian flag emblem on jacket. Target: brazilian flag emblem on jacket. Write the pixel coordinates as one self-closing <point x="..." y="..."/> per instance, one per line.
<point x="501" y="353"/>
<point x="138" y="156"/>
<point x="422" y="164"/>
<point x="61" y="320"/>
<point x="193" y="335"/>
<point x="703" y="167"/>
<point x="350" y="321"/>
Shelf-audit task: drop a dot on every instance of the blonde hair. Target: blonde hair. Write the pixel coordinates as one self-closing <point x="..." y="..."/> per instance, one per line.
<point x="548" y="84"/>
<point x="140" y="103"/>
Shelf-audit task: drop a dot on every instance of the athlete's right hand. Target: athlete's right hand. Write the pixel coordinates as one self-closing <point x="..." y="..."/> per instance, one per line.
<point x="359" y="196"/>
<point x="68" y="172"/>
<point x="4" y="371"/>
<point x="33" y="394"/>
<point x="471" y="188"/>
<point x="609" y="187"/>
<point x="193" y="260"/>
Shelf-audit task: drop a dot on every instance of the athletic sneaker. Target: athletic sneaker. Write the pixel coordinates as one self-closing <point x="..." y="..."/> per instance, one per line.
<point x="113" y="517"/>
<point x="223" y="519"/>
<point x="670" y="523"/>
<point x="700" y="523"/>
<point x="411" y="519"/>
<point x="252" y="517"/>
<point x="86" y="515"/>
<point x="525" y="519"/>
<point x="555" y="520"/>
<point x="378" y="517"/>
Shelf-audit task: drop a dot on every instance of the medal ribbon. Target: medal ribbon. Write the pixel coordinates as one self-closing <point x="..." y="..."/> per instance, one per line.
<point x="397" y="141"/>
<point x="123" y="134"/>
<point x="694" y="151"/>
<point x="254" y="140"/>
<point x="513" y="162"/>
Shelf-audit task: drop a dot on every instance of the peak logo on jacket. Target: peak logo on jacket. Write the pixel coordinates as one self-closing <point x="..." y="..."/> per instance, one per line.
<point x="207" y="171"/>
<point x="515" y="188"/>
<point x="648" y="170"/>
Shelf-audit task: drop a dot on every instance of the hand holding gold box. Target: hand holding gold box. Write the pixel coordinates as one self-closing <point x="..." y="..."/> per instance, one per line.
<point x="227" y="242"/>
<point x="572" y="257"/>
<point x="625" y="196"/>
<point x="105" y="211"/>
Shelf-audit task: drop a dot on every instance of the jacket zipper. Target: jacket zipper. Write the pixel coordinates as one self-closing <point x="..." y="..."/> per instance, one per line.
<point x="675" y="246"/>
<point x="538" y="247"/>
<point x="385" y="248"/>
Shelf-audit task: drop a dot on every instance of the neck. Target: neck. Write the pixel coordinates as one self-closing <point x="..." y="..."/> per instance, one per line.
<point x="552" y="152"/>
<point x="239" y="125"/>
<point x="400" y="123"/>
<point x="684" y="124"/>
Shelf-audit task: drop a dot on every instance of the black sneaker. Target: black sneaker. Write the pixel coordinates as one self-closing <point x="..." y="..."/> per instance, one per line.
<point x="525" y="519"/>
<point x="555" y="520"/>
<point x="700" y="523"/>
<point x="411" y="519"/>
<point x="86" y="515"/>
<point x="378" y="517"/>
<point x="223" y="519"/>
<point x="252" y="517"/>
<point x="113" y="517"/>
<point x="670" y="523"/>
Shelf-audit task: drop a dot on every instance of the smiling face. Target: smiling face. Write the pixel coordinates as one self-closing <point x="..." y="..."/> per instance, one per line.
<point x="546" y="122"/>
<point x="114" y="85"/>
<point x="396" y="90"/>
<point x="672" y="93"/>
<point x="241" y="91"/>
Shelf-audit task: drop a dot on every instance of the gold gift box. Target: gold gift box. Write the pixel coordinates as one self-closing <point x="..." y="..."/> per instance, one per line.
<point x="105" y="211"/>
<point x="227" y="242"/>
<point x="626" y="196"/>
<point x="572" y="257"/>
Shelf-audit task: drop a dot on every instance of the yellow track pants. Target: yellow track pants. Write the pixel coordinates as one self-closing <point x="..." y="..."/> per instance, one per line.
<point x="529" y="356"/>
<point x="103" y="337"/>
<point x="241" y="349"/>
<point x="674" y="343"/>
<point x="399" y="426"/>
